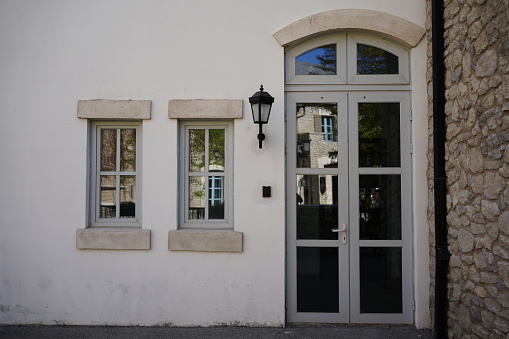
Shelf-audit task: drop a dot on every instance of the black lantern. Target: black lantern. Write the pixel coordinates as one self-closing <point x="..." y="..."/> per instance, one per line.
<point x="261" y="103"/>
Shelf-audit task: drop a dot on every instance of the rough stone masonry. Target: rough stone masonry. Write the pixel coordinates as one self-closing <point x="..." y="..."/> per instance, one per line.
<point x="477" y="165"/>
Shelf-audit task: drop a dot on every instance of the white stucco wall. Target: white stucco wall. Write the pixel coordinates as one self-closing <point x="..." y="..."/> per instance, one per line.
<point x="54" y="53"/>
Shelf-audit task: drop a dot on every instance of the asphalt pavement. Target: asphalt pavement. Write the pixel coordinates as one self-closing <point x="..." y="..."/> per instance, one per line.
<point x="293" y="331"/>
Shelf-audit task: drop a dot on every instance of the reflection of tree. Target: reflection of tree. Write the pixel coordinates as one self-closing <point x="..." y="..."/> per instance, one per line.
<point x="373" y="60"/>
<point x="370" y="131"/>
<point x="197" y="149"/>
<point x="128" y="153"/>
<point x="328" y="59"/>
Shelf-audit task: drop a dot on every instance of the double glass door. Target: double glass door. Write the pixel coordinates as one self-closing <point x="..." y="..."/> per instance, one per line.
<point x="349" y="210"/>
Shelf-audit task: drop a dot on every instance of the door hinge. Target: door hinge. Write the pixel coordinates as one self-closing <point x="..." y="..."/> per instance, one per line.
<point x="411" y="115"/>
<point x="413" y="305"/>
<point x="411" y="148"/>
<point x="286" y="302"/>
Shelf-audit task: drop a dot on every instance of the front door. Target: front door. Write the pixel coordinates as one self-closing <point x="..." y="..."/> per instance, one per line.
<point x="349" y="210"/>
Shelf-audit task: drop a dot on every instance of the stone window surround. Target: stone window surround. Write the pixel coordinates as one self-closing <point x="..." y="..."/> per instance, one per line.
<point x="102" y="238"/>
<point x="204" y="240"/>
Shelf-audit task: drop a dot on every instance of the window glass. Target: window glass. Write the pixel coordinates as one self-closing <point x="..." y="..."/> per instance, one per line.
<point x="318" y="61"/>
<point x="128" y="150"/>
<point x="108" y="150"/>
<point x="373" y="60"/>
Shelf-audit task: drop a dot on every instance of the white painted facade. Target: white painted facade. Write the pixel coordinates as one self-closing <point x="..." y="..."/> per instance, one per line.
<point x="54" y="53"/>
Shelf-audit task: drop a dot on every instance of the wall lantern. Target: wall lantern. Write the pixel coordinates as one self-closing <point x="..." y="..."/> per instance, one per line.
<point x="261" y="103"/>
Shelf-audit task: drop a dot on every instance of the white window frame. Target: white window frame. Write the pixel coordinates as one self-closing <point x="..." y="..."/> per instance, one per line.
<point x="95" y="173"/>
<point x="184" y="221"/>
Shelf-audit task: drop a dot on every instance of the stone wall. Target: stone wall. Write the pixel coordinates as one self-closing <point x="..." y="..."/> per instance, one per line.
<point x="477" y="165"/>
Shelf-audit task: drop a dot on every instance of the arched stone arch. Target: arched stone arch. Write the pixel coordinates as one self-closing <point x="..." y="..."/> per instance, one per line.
<point x="390" y="26"/>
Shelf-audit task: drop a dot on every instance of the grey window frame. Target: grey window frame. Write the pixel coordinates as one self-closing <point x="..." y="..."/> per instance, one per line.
<point x="95" y="172"/>
<point x="205" y="224"/>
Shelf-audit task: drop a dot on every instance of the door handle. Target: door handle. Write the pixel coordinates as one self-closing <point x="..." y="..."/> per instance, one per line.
<point x="342" y="230"/>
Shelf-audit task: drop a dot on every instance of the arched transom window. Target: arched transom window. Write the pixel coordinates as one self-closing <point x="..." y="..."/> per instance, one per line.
<point x="347" y="58"/>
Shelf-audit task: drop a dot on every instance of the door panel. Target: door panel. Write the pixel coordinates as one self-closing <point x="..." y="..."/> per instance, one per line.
<point x="317" y="191"/>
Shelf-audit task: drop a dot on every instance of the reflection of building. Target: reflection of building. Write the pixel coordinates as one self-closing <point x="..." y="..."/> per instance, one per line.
<point x="316" y="130"/>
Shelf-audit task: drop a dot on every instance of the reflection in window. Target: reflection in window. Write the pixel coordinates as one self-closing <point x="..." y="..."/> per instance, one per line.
<point x="206" y="157"/>
<point x="379" y="135"/>
<point x="318" y="61"/>
<point x="381" y="280"/>
<point x="317" y="279"/>
<point x="317" y="206"/>
<point x="328" y="128"/>
<point x="380" y="207"/>
<point x="316" y="128"/>
<point x="117" y="192"/>
<point x="373" y="60"/>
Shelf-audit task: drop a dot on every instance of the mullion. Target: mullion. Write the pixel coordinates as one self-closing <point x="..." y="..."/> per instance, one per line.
<point x="117" y="175"/>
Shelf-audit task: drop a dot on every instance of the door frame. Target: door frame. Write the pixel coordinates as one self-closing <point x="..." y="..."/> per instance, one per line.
<point x="350" y="311"/>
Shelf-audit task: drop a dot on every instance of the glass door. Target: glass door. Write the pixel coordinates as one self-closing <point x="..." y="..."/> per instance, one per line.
<point x="349" y="210"/>
<point x="317" y="186"/>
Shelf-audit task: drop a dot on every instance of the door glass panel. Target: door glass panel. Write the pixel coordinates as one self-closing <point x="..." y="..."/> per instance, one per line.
<point x="380" y="207"/>
<point x="317" y="206"/>
<point x="318" y="61"/>
<point x="379" y="135"/>
<point x="317" y="279"/>
<point x="374" y="60"/>
<point x="317" y="135"/>
<point x="381" y="280"/>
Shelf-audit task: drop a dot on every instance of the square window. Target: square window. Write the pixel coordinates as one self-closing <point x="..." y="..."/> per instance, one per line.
<point x="206" y="175"/>
<point x="115" y="174"/>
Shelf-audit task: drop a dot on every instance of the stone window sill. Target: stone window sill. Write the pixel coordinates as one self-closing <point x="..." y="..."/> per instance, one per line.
<point x="112" y="239"/>
<point x="205" y="240"/>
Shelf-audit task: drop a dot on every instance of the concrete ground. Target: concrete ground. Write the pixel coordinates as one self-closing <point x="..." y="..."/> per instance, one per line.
<point x="293" y="331"/>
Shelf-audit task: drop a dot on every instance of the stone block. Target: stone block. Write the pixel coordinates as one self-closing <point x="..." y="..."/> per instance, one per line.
<point x="205" y="241"/>
<point x="108" y="239"/>
<point x="114" y="109"/>
<point x="205" y="109"/>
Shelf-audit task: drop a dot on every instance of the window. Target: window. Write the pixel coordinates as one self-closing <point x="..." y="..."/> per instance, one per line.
<point x="206" y="182"/>
<point x="328" y="128"/>
<point x="115" y="179"/>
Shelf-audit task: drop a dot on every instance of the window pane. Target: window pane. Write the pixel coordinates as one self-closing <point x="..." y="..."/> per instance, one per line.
<point x="108" y="149"/>
<point x="196" y="198"/>
<point x="128" y="150"/>
<point x="317" y="206"/>
<point x="379" y="135"/>
<point x="196" y="150"/>
<point x="373" y="60"/>
<point x="216" y="198"/>
<point x="319" y="61"/>
<point x="317" y="279"/>
<point x="380" y="273"/>
<point x="127" y="196"/>
<point x="108" y="196"/>
<point x="216" y="150"/>
<point x="380" y="207"/>
<point x="317" y="135"/>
